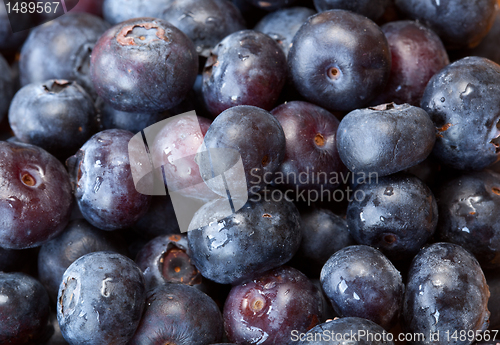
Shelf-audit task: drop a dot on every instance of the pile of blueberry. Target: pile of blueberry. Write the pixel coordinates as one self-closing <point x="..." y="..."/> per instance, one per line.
<point x="342" y="155"/>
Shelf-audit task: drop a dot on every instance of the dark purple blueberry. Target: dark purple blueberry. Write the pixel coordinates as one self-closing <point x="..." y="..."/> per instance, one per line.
<point x="89" y="6"/>
<point x="24" y="309"/>
<point x="10" y="41"/>
<point x="373" y="9"/>
<point x="245" y="68"/>
<point x="311" y="147"/>
<point x="493" y="280"/>
<point x="468" y="215"/>
<point x="135" y="122"/>
<point x="267" y="232"/>
<point x="57" y="115"/>
<point x="333" y="74"/>
<point x="205" y="22"/>
<point x="385" y="139"/>
<point x="35" y="198"/>
<point x="117" y="11"/>
<point x="323" y="234"/>
<point x="360" y="281"/>
<point x="282" y="25"/>
<point x="160" y="219"/>
<point x="103" y="184"/>
<point x="344" y="330"/>
<point x="417" y="54"/>
<point x="179" y="314"/>
<point x="462" y="101"/>
<point x="271" y="5"/>
<point x="165" y="259"/>
<point x="459" y="23"/>
<point x="490" y="45"/>
<point x="396" y="214"/>
<point x="60" y="49"/>
<point x="247" y="132"/>
<point x="143" y="65"/>
<point x="101" y="299"/>
<point x="174" y="148"/>
<point x="268" y="308"/>
<point x="78" y="239"/>
<point x="446" y="292"/>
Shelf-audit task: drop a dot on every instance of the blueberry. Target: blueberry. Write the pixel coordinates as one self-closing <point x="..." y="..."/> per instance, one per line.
<point x="79" y="238"/>
<point x="282" y="25"/>
<point x="255" y="312"/>
<point x="143" y="65"/>
<point x="271" y="5"/>
<point x="446" y="292"/>
<point x="245" y="68"/>
<point x="385" y="139"/>
<point x="165" y="259"/>
<point x="459" y="23"/>
<point x="462" y="101"/>
<point x="61" y="49"/>
<point x="35" y="200"/>
<point x="179" y="314"/>
<point x="267" y="232"/>
<point x="160" y="219"/>
<point x="101" y="299"/>
<point x="360" y="281"/>
<point x="333" y="74"/>
<point x="24" y="309"/>
<point x="103" y="184"/>
<point x="117" y="11"/>
<point x="397" y="214"/>
<point x="490" y="45"/>
<point x="57" y="115"/>
<point x="372" y="9"/>
<point x="327" y="333"/>
<point x="468" y="216"/>
<point x="7" y="86"/>
<point x="205" y="22"/>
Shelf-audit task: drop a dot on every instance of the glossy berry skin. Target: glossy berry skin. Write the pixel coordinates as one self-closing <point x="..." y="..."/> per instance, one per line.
<point x="397" y="215"/>
<point x="79" y="238"/>
<point x="385" y="139"/>
<point x="268" y="308"/>
<point x="417" y="54"/>
<point x="267" y="232"/>
<point x="98" y="292"/>
<point x="205" y="22"/>
<point x="311" y="146"/>
<point x="245" y="68"/>
<point x="468" y="215"/>
<point x="255" y="135"/>
<point x="61" y="49"/>
<point x="135" y="122"/>
<point x="446" y="291"/>
<point x="344" y="325"/>
<point x="323" y="234"/>
<point x="368" y="8"/>
<point x="103" y="184"/>
<point x="334" y="75"/>
<point x="143" y="65"/>
<point x="271" y="5"/>
<point x="462" y="101"/>
<point x="165" y="259"/>
<point x="57" y="115"/>
<point x="174" y="148"/>
<point x="459" y="23"/>
<point x="35" y="200"/>
<point x="179" y="314"/>
<point x="117" y="11"/>
<point x="25" y="309"/>
<point x="360" y="281"/>
<point x="282" y="25"/>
